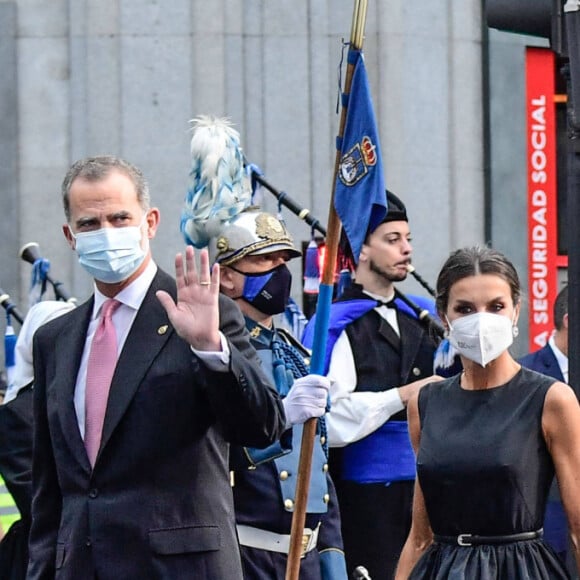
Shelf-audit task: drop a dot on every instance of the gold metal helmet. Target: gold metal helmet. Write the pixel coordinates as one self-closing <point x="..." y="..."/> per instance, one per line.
<point x="252" y="232"/>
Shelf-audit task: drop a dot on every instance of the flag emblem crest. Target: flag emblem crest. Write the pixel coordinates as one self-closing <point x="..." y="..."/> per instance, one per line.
<point x="355" y="163"/>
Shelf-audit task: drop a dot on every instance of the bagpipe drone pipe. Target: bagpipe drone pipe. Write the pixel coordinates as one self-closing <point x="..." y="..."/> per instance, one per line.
<point x="10" y="307"/>
<point x="9" y="337"/>
<point x="40" y="273"/>
<point x="40" y="279"/>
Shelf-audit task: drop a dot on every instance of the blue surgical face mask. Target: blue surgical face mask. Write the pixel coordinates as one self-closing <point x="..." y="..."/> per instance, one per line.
<point x="111" y="255"/>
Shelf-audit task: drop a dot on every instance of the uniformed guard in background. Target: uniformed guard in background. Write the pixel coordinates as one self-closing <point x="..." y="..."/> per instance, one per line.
<point x="252" y="248"/>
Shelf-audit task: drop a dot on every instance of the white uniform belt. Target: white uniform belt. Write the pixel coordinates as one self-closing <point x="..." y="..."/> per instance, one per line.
<point x="265" y="540"/>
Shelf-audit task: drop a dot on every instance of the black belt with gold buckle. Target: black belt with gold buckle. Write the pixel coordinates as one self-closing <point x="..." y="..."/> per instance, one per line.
<point x="475" y="540"/>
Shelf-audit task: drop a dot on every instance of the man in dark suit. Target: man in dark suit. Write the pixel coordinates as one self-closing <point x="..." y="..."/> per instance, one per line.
<point x="130" y="473"/>
<point x="552" y="360"/>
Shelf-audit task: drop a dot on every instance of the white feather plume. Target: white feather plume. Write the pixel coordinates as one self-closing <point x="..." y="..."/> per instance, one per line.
<point x="220" y="188"/>
<point x="444" y="355"/>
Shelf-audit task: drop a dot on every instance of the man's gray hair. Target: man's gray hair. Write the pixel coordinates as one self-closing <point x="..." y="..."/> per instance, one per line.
<point x="98" y="168"/>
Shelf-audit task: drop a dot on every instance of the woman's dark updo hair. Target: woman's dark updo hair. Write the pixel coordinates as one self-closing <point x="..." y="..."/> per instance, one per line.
<point x="471" y="262"/>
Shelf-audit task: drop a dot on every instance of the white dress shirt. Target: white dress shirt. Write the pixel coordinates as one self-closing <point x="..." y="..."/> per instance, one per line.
<point x="131" y="299"/>
<point x="356" y="414"/>
<point x="560" y="357"/>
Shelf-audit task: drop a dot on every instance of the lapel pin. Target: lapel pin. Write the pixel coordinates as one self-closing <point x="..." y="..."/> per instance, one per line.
<point x="162" y="329"/>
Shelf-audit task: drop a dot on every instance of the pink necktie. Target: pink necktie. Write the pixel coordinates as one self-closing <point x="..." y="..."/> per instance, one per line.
<point x="100" y="370"/>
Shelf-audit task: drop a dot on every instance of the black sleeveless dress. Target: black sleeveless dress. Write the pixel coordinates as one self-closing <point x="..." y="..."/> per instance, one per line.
<point x="484" y="469"/>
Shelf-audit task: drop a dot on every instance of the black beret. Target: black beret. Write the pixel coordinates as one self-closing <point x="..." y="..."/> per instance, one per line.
<point x="396" y="210"/>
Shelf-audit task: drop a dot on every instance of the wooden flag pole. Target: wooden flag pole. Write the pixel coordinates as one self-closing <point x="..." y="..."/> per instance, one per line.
<point x="317" y="365"/>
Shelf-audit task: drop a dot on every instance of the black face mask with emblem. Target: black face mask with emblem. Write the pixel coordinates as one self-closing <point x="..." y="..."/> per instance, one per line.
<point x="269" y="291"/>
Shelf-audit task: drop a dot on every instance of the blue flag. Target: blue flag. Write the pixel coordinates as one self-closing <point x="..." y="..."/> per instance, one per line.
<point x="359" y="195"/>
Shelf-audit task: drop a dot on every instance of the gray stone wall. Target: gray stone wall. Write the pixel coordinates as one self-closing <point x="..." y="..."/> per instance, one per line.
<point x="125" y="76"/>
<point x="9" y="188"/>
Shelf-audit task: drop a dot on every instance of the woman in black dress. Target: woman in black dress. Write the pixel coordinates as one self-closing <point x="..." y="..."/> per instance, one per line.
<point x="488" y="441"/>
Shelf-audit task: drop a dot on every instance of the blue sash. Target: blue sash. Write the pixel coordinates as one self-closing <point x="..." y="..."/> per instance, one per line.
<point x="384" y="456"/>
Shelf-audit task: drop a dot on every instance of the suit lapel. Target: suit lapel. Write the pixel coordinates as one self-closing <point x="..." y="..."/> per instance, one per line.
<point x="149" y="333"/>
<point x="71" y="340"/>
<point x="550" y="363"/>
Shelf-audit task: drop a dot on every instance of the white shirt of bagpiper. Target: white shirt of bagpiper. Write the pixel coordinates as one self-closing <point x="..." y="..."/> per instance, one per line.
<point x="356" y="414"/>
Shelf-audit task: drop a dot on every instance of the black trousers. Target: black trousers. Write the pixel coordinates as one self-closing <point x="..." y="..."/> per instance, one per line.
<point x="376" y="520"/>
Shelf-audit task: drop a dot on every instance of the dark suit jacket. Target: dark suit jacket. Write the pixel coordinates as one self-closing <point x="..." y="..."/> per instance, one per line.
<point x="16" y="449"/>
<point x="543" y="361"/>
<point x="158" y="503"/>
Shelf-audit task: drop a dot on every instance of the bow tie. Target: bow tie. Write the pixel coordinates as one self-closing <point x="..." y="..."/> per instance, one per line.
<point x="388" y="303"/>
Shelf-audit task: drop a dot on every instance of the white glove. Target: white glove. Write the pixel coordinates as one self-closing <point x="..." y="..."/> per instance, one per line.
<point x="306" y="399"/>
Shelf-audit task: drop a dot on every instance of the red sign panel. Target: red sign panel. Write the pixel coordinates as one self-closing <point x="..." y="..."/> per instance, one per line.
<point x="542" y="219"/>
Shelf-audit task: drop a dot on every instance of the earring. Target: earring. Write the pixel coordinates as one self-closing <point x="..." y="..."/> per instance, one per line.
<point x="515" y="331"/>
